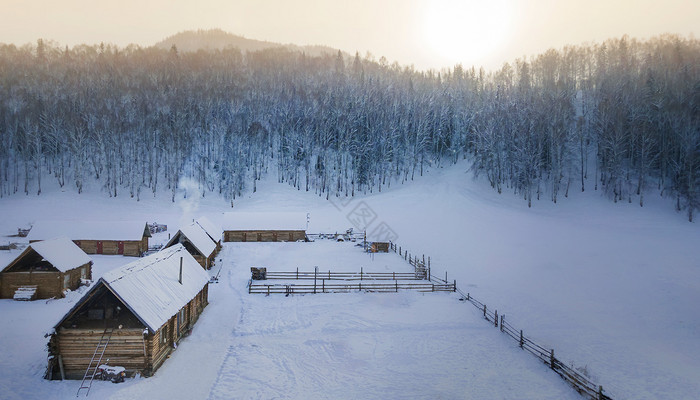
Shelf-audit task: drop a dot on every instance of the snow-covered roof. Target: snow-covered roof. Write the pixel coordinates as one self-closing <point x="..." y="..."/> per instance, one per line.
<point x="149" y="287"/>
<point x="62" y="253"/>
<point x="264" y="221"/>
<point x="89" y="230"/>
<point x="197" y="236"/>
<point x="213" y="230"/>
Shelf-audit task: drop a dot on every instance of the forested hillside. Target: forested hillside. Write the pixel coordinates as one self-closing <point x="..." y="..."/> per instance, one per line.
<point x="217" y="39"/>
<point x="624" y="112"/>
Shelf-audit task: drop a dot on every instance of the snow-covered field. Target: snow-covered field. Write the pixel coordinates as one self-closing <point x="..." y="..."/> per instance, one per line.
<point x="611" y="287"/>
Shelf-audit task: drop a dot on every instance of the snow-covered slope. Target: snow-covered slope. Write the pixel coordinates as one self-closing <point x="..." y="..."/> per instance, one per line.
<point x="611" y="287"/>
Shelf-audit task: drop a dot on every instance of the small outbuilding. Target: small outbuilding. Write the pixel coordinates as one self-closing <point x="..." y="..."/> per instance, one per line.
<point x="134" y="316"/>
<point x="264" y="227"/>
<point x="44" y="270"/>
<point x="129" y="238"/>
<point x="379" y="247"/>
<point x="197" y="242"/>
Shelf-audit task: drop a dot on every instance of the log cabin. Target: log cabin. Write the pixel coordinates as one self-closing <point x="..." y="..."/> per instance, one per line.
<point x="141" y="310"/>
<point x="197" y="242"/>
<point x="129" y="238"/>
<point x="264" y="227"/>
<point x="44" y="270"/>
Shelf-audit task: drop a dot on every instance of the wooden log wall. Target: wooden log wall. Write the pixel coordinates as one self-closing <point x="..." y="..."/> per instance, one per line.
<point x="264" y="236"/>
<point x="49" y="283"/>
<point x="127" y="348"/>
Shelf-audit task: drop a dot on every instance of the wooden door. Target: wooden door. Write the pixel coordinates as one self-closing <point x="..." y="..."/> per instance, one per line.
<point x="259" y="237"/>
<point x="120" y="247"/>
<point x="99" y="247"/>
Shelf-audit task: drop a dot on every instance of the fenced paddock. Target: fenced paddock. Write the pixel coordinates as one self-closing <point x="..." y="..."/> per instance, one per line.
<point x="379" y="282"/>
<point x="581" y="383"/>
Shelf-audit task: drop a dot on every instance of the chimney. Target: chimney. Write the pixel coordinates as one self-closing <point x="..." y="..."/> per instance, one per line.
<point x="180" y="280"/>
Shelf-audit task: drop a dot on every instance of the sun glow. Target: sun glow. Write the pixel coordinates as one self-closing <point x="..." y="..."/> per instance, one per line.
<point x="466" y="31"/>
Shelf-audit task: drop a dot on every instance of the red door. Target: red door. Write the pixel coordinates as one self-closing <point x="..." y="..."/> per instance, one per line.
<point x="120" y="247"/>
<point x="99" y="247"/>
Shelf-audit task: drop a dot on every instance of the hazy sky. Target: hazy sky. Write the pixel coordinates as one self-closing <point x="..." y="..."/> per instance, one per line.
<point x="426" y="33"/>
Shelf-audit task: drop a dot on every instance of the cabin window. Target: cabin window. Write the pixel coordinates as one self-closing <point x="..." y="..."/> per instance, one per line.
<point x="66" y="281"/>
<point x="83" y="273"/>
<point x="164" y="335"/>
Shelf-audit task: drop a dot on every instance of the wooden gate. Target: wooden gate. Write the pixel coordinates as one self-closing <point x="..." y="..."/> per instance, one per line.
<point x="120" y="247"/>
<point x="99" y="247"/>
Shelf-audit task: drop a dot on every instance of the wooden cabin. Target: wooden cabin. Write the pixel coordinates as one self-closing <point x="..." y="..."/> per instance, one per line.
<point x="264" y="227"/>
<point x="197" y="242"/>
<point x="44" y="270"/>
<point x="379" y="247"/>
<point x="129" y="238"/>
<point x="141" y="310"/>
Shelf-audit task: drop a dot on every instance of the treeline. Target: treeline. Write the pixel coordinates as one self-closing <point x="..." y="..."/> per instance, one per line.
<point x="137" y="120"/>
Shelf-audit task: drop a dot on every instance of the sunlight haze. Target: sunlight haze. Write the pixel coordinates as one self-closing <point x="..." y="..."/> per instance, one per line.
<point x="425" y="33"/>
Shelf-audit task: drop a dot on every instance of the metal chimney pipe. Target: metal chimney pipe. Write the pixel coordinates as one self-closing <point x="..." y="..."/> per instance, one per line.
<point x="180" y="280"/>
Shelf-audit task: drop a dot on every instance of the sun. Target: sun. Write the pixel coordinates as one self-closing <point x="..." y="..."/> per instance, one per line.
<point x="466" y="31"/>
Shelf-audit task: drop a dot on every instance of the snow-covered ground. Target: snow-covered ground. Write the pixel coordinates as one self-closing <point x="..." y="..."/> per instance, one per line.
<point x="611" y="287"/>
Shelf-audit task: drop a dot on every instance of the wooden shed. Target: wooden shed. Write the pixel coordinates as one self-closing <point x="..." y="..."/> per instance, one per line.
<point x="197" y="242"/>
<point x="129" y="238"/>
<point x="264" y="227"/>
<point x="44" y="270"/>
<point x="379" y="247"/>
<point x="138" y="313"/>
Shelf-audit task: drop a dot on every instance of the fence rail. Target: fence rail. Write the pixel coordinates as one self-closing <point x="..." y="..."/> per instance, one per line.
<point x="320" y="286"/>
<point x="580" y="382"/>
<point x="343" y="276"/>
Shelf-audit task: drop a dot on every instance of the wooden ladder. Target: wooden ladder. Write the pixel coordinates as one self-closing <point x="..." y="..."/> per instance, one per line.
<point x="95" y="362"/>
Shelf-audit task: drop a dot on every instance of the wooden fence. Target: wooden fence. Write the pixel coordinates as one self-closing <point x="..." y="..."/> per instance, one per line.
<point x="344" y="276"/>
<point x="580" y="382"/>
<point x="365" y="282"/>
<point x="320" y="286"/>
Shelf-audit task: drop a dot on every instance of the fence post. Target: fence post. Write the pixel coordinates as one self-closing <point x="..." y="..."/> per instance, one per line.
<point x="600" y="392"/>
<point x="315" y="273"/>
<point x="454" y="287"/>
<point x="495" y="318"/>
<point x="502" y="318"/>
<point x="522" y="342"/>
<point x="397" y="285"/>
<point x="467" y="296"/>
<point x="551" y="359"/>
<point x="445" y="276"/>
<point x="297" y="273"/>
<point x="428" y="261"/>
<point x="323" y="282"/>
<point x="361" y="272"/>
<point x="485" y="311"/>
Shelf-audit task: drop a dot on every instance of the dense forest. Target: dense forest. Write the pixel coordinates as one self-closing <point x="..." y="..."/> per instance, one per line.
<point x="621" y="117"/>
